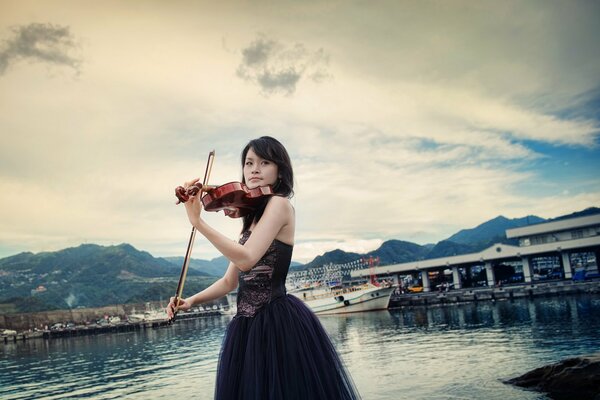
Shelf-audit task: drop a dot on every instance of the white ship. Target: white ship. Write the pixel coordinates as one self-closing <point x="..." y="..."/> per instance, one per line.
<point x="148" y="316"/>
<point x="366" y="297"/>
<point x="321" y="289"/>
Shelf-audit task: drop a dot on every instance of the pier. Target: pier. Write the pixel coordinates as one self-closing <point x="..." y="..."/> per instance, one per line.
<point x="96" y="329"/>
<point x="543" y="289"/>
<point x="93" y="321"/>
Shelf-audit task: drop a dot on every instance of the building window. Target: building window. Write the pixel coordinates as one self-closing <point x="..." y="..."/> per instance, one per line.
<point x="578" y="234"/>
<point x="539" y="239"/>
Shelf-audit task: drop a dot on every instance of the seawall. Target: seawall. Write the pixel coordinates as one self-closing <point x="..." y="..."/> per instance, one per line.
<point x="539" y="289"/>
<point x="41" y="320"/>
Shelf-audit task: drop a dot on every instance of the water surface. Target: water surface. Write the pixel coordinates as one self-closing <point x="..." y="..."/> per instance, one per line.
<point x="451" y="352"/>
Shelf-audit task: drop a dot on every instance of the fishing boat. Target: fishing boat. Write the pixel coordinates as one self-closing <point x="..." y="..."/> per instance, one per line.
<point x="148" y="316"/>
<point x="339" y="300"/>
<point x="325" y="293"/>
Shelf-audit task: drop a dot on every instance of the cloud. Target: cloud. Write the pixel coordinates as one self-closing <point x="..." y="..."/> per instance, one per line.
<point x="277" y="68"/>
<point x="45" y="43"/>
<point x="439" y="118"/>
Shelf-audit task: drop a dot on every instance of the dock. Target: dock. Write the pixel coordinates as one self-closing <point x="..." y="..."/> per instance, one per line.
<point x="541" y="289"/>
<point x="97" y="329"/>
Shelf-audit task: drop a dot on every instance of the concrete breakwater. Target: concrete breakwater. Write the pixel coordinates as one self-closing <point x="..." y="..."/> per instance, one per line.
<point x="95" y="329"/>
<point x="494" y="293"/>
<point x="41" y="321"/>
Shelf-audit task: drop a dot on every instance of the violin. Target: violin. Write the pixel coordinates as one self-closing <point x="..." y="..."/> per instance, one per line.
<point x="234" y="198"/>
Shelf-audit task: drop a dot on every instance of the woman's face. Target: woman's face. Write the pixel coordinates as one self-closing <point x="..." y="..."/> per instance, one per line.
<point x="258" y="171"/>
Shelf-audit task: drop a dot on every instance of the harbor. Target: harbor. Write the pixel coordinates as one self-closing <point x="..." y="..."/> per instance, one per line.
<point x="556" y="258"/>
<point x="396" y="300"/>
<point x="541" y="289"/>
<point x="85" y="322"/>
<point x="427" y="352"/>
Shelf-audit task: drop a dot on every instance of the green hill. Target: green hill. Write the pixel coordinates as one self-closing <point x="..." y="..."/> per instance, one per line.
<point x="89" y="276"/>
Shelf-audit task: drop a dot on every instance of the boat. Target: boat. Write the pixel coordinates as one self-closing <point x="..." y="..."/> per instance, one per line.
<point x="148" y="316"/>
<point x="341" y="300"/>
<point x="323" y="291"/>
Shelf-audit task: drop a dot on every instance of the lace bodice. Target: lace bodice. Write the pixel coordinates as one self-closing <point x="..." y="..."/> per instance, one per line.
<point x="265" y="282"/>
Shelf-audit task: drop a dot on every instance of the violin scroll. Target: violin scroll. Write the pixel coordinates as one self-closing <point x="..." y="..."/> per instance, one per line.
<point x="184" y="194"/>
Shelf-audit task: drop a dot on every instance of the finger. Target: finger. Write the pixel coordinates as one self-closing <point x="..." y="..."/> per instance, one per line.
<point x="190" y="183"/>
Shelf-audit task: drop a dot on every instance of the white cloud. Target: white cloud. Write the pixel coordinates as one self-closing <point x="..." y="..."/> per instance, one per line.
<point x="424" y="128"/>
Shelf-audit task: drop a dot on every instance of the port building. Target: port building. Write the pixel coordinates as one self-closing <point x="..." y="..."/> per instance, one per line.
<point x="553" y="250"/>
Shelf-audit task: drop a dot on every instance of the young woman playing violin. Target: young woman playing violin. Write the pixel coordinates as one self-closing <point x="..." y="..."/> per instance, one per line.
<point x="274" y="347"/>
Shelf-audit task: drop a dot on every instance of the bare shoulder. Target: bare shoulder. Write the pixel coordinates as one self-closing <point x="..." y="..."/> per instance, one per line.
<point x="283" y="211"/>
<point x="280" y="204"/>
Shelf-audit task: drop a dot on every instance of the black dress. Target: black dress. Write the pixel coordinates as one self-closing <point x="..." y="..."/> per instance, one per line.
<point x="275" y="347"/>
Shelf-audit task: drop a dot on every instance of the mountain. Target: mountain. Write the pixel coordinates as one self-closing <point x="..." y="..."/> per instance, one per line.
<point x="446" y="248"/>
<point x="398" y="251"/>
<point x="492" y="229"/>
<point x="583" y="213"/>
<point x="215" y="267"/>
<point x="481" y="237"/>
<point x="390" y="252"/>
<point x="335" y="256"/>
<point x="463" y="242"/>
<point x="89" y="276"/>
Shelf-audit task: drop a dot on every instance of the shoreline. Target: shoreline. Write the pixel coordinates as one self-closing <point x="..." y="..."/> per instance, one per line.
<point x="93" y="319"/>
<point x="516" y="291"/>
<point x="96" y="329"/>
<point x="397" y="301"/>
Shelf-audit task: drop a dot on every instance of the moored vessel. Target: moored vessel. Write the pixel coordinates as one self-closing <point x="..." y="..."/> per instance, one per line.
<point x="339" y="300"/>
<point x="322" y="289"/>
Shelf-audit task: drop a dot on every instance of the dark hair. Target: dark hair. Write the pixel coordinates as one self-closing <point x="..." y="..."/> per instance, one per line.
<point x="270" y="149"/>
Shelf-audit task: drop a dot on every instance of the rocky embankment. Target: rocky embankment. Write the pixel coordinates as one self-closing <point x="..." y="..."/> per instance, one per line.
<point x="573" y="378"/>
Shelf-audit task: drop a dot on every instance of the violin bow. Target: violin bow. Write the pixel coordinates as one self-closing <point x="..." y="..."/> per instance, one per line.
<point x="188" y="253"/>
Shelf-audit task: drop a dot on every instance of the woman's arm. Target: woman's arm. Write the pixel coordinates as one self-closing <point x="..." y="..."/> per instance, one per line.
<point x="220" y="288"/>
<point x="277" y="214"/>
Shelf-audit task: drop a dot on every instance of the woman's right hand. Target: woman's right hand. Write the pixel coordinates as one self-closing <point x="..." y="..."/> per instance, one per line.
<point x="184" y="305"/>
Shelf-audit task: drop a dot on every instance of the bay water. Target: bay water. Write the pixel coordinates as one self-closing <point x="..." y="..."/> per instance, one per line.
<point x="461" y="351"/>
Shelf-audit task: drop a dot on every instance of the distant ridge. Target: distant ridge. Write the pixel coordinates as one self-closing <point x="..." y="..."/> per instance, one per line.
<point x="583" y="213"/>
<point x="463" y="242"/>
<point x="494" y="228"/>
<point x="91" y="275"/>
<point x="215" y="267"/>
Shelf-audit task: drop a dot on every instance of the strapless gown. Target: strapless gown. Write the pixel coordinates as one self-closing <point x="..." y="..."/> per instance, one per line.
<point x="275" y="348"/>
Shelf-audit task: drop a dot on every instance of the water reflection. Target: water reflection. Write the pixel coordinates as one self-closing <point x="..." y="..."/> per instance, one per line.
<point x="458" y="351"/>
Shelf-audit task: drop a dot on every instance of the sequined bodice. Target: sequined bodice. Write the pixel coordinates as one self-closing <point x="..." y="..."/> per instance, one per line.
<point x="265" y="282"/>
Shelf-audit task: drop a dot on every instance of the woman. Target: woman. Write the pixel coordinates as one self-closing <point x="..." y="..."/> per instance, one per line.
<point x="275" y="347"/>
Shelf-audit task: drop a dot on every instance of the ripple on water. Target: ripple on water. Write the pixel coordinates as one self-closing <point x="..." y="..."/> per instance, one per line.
<point x="458" y="352"/>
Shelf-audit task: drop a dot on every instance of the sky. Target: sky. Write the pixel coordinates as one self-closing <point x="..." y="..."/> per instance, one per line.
<point x="404" y="120"/>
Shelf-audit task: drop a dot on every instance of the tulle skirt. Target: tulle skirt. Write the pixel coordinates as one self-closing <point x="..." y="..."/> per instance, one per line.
<point x="282" y="353"/>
